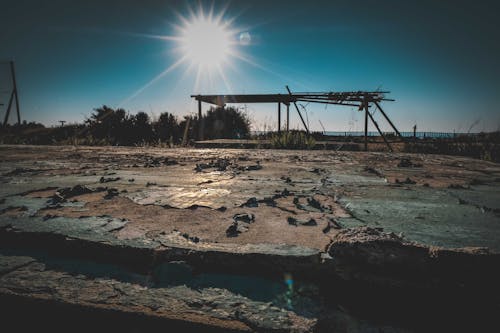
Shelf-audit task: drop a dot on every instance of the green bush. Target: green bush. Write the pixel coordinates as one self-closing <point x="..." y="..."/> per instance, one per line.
<point x="292" y="140"/>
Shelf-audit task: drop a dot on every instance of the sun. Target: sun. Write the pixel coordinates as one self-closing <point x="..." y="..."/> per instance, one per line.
<point x="206" y="42"/>
<point x="209" y="44"/>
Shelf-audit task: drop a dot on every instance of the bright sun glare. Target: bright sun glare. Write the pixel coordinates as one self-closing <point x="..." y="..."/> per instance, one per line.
<point x="206" y="42"/>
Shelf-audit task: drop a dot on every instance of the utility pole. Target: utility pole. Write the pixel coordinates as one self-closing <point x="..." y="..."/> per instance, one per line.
<point x="13" y="95"/>
<point x="62" y="122"/>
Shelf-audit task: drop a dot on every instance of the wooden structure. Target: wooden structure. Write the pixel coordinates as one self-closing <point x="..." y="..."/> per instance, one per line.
<point x="13" y="95"/>
<point x="363" y="100"/>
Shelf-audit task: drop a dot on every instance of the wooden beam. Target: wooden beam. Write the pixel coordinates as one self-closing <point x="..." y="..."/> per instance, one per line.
<point x="298" y="111"/>
<point x="388" y="120"/>
<point x="380" y="132"/>
<point x="325" y="97"/>
<point x="7" y="113"/>
<point x="13" y="73"/>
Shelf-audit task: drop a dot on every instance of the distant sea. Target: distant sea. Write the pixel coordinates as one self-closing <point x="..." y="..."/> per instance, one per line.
<point x="404" y="134"/>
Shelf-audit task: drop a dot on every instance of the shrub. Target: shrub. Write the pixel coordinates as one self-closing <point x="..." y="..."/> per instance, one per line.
<point x="226" y="123"/>
<point x="292" y="140"/>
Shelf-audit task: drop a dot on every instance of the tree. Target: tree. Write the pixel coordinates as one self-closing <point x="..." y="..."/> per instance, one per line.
<point x="167" y="127"/>
<point x="142" y="129"/>
<point x="111" y="125"/>
<point x="226" y="123"/>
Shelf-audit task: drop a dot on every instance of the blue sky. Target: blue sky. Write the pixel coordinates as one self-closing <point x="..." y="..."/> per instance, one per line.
<point x="439" y="59"/>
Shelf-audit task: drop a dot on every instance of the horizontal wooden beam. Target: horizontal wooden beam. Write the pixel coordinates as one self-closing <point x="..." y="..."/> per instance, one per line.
<point x="340" y="98"/>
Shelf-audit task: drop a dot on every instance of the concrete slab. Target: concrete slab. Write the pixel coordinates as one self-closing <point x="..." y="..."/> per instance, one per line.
<point x="376" y="218"/>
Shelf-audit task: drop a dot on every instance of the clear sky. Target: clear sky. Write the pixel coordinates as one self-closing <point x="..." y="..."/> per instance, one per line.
<point x="439" y="59"/>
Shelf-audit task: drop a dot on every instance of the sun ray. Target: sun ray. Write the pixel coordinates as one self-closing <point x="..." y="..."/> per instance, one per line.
<point x="207" y="43"/>
<point x="197" y="80"/>
<point x="224" y="79"/>
<point x="155" y="79"/>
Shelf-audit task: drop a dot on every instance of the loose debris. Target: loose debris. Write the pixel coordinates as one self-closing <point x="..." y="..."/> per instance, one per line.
<point x="296" y="222"/>
<point x="225" y="164"/>
<point x="407" y="181"/>
<point x="240" y="224"/>
<point x="407" y="163"/>
<point x="109" y="179"/>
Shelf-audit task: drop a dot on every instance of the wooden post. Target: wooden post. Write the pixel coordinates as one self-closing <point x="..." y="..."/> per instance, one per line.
<point x="366" y="125"/>
<point x="279" y="117"/>
<point x="200" y="121"/>
<point x="288" y="117"/>
<point x="15" y="90"/>
<point x="186" y="129"/>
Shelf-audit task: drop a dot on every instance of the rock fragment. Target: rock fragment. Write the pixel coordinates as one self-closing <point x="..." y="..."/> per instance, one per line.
<point x="296" y="222"/>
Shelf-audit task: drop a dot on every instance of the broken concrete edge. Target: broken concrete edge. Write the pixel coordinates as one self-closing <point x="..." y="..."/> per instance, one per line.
<point x="360" y="253"/>
<point x="93" y="238"/>
<point x="369" y="254"/>
<point x="209" y="308"/>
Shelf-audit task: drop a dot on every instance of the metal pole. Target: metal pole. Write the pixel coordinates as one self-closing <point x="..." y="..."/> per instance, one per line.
<point x="15" y="90"/>
<point x="366" y="125"/>
<point x="279" y="117"/>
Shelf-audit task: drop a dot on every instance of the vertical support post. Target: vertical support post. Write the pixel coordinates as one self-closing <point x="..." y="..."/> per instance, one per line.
<point x="14" y="84"/>
<point x="200" y="120"/>
<point x="279" y="117"/>
<point x="366" y="124"/>
<point x="288" y="117"/>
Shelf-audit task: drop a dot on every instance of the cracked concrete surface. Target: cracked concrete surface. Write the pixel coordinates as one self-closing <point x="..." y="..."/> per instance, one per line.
<point x="393" y="220"/>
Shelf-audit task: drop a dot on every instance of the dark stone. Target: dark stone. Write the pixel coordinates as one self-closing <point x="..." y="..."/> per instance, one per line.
<point x="407" y="181"/>
<point x="109" y="179"/>
<point x="232" y="230"/>
<point x="111" y="193"/>
<point x="168" y="161"/>
<point x="253" y="167"/>
<point x="245" y="217"/>
<point x="295" y="222"/>
<point x="373" y="171"/>
<point x="69" y="192"/>
<point x="252" y="202"/>
<point x="407" y="163"/>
